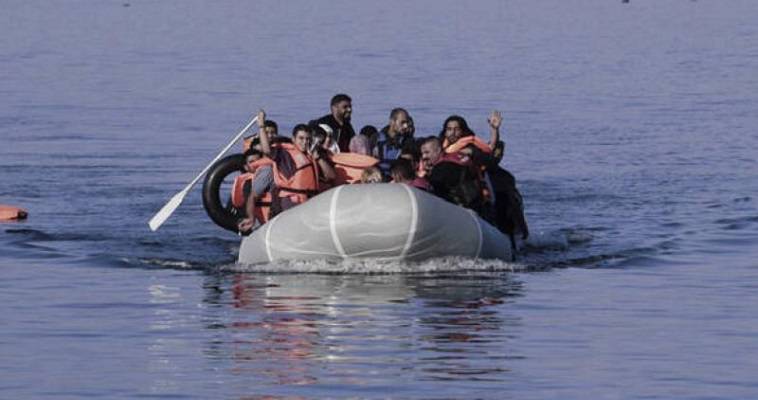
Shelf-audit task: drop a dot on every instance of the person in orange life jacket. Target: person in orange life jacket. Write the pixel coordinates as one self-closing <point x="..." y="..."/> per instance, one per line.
<point x="402" y="171"/>
<point x="505" y="207"/>
<point x="292" y="165"/>
<point x="453" y="177"/>
<point x="269" y="127"/>
<point x="455" y="127"/>
<point x="250" y="189"/>
<point x="393" y="138"/>
<point x="339" y="120"/>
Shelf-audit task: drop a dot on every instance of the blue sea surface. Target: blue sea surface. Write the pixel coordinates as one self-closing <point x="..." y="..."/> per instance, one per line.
<point x="631" y="129"/>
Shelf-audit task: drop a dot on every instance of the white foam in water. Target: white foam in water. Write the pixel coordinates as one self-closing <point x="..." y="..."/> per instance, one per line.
<point x="167" y="263"/>
<point x="378" y="266"/>
<point x="556" y="240"/>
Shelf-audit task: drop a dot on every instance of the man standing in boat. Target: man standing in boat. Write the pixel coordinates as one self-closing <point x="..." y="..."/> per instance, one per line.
<point x="339" y="120"/>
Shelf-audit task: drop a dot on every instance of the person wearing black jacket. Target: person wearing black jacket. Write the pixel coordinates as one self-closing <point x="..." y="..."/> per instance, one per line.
<point x="339" y="120"/>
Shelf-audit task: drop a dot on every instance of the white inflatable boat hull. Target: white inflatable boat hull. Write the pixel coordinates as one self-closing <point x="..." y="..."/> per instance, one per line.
<point x="382" y="221"/>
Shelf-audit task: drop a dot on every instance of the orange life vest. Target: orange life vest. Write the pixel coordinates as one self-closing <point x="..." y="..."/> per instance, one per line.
<point x="350" y="166"/>
<point x="303" y="183"/>
<point x="262" y="205"/>
<point x="465" y="141"/>
<point x="8" y="213"/>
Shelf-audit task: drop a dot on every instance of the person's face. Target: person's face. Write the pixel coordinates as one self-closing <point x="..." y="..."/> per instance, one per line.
<point x="453" y="131"/>
<point x="302" y="140"/>
<point x="400" y="124"/>
<point x="343" y="110"/>
<point x="429" y="155"/>
<point x="270" y="132"/>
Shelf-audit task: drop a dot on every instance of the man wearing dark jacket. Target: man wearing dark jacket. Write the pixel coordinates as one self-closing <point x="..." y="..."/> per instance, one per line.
<point x="339" y="120"/>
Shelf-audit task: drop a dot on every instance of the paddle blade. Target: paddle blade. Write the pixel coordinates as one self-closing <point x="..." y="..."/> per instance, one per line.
<point x="165" y="212"/>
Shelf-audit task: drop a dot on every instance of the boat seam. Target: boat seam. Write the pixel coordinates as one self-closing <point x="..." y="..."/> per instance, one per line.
<point x="481" y="233"/>
<point x="414" y="222"/>
<point x="333" y="223"/>
<point x="266" y="239"/>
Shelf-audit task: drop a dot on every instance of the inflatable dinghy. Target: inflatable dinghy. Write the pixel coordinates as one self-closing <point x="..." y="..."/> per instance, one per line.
<point x="385" y="221"/>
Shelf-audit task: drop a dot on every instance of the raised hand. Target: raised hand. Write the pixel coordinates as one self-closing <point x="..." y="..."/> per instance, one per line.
<point x="495" y="119"/>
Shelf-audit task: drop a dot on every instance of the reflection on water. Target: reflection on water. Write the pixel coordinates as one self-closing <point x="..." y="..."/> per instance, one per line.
<point x="371" y="331"/>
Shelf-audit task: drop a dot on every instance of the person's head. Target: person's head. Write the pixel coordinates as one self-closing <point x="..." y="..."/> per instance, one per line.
<point x="251" y="155"/>
<point x="271" y="129"/>
<point x="342" y="107"/>
<point x="411" y="127"/>
<point x="454" y="128"/>
<point x="431" y="149"/>
<point x="372" y="134"/>
<point x="302" y="135"/>
<point x="323" y="134"/>
<point x="401" y="171"/>
<point x="359" y="144"/>
<point x="411" y="154"/>
<point x="319" y="135"/>
<point x="372" y="175"/>
<point x="398" y="125"/>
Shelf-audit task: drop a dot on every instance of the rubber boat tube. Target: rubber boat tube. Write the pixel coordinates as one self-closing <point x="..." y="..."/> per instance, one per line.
<point x="224" y="167"/>
<point x="11" y="213"/>
<point x="383" y="221"/>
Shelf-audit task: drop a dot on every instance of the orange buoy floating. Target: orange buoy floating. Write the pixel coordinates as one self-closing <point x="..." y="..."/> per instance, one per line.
<point x="10" y="213"/>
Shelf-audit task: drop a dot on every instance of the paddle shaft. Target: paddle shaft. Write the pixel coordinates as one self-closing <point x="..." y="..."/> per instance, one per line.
<point x="164" y="213"/>
<point x="221" y="154"/>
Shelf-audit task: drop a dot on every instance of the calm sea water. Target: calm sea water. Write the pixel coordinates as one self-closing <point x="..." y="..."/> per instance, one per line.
<point x="631" y="128"/>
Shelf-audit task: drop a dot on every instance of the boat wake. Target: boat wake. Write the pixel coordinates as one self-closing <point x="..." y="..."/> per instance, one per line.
<point x="380" y="266"/>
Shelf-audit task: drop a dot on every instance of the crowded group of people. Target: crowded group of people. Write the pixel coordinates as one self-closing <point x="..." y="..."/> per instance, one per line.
<point x="456" y="165"/>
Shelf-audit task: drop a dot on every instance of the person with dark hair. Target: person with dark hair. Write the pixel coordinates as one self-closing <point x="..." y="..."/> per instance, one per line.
<point x="294" y="168"/>
<point x="455" y="128"/>
<point x="503" y="206"/>
<point x="393" y="138"/>
<point x="269" y="127"/>
<point x="250" y="195"/>
<point x="402" y="171"/>
<point x="372" y="134"/>
<point x="339" y="120"/>
<point x="453" y="176"/>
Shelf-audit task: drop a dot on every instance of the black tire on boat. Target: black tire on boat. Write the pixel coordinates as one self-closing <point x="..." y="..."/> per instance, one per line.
<point x="220" y="214"/>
